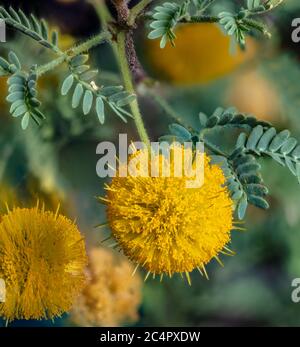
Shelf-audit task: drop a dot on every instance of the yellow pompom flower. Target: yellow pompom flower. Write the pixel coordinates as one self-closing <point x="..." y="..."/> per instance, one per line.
<point x="166" y="227"/>
<point x="201" y="54"/>
<point x="112" y="295"/>
<point x="42" y="261"/>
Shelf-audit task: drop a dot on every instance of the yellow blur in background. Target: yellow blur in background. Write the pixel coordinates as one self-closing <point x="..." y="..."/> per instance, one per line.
<point x="252" y="93"/>
<point x="202" y="54"/>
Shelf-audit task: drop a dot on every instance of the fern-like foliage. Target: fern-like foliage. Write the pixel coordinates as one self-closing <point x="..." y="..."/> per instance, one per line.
<point x="234" y="26"/>
<point x="22" y="92"/>
<point x="258" y="6"/>
<point x="255" y="5"/>
<point x="10" y="66"/>
<point x="229" y="117"/>
<point x="29" y="25"/>
<point x="281" y="147"/>
<point x="243" y="180"/>
<point x="166" y="17"/>
<point x="22" y="85"/>
<point x="87" y="93"/>
<point x="237" y="24"/>
<point x="178" y="133"/>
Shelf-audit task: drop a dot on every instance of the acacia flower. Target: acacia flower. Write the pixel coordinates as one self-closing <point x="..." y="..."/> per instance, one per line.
<point x="42" y="260"/>
<point x="166" y="227"/>
<point x="202" y="55"/>
<point x="112" y="295"/>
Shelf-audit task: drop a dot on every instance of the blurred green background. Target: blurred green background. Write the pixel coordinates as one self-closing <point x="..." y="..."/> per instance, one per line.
<point x="57" y="161"/>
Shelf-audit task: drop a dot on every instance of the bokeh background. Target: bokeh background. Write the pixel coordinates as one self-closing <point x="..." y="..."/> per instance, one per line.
<point x="56" y="163"/>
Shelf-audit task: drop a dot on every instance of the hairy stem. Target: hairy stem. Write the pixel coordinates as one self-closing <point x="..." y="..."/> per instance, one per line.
<point x="51" y="65"/>
<point x="137" y="71"/>
<point x="127" y="78"/>
<point x="122" y="12"/>
<point x="32" y="34"/>
<point x="200" y="19"/>
<point x="72" y="52"/>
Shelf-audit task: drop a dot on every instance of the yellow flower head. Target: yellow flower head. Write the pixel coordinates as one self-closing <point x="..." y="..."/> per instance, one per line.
<point x="112" y="295"/>
<point x="42" y="260"/>
<point x="166" y="227"/>
<point x="201" y="54"/>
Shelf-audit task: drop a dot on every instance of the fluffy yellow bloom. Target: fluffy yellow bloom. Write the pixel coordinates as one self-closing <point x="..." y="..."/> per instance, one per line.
<point x="42" y="260"/>
<point x="166" y="227"/>
<point x="112" y="295"/>
<point x="202" y="54"/>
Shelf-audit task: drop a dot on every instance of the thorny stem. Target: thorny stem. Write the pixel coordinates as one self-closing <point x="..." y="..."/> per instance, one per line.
<point x="72" y="52"/>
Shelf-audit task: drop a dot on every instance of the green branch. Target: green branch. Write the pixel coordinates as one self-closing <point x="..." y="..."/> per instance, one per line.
<point x="126" y="74"/>
<point x="74" y="51"/>
<point x="120" y="51"/>
<point x="200" y="19"/>
<point x="30" y="26"/>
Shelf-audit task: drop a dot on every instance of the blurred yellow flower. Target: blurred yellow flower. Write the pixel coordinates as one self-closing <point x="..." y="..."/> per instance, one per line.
<point x="42" y="261"/>
<point x="252" y="93"/>
<point x="166" y="227"/>
<point x="202" y="53"/>
<point x="112" y="295"/>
